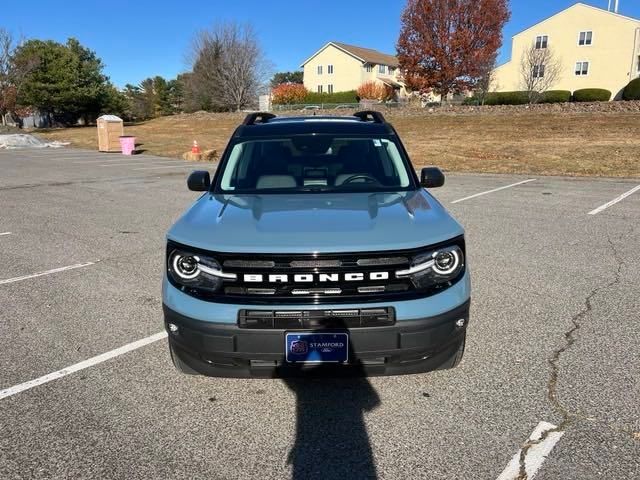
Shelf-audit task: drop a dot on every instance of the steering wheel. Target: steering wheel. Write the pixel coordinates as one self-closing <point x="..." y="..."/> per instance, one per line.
<point x="360" y="176"/>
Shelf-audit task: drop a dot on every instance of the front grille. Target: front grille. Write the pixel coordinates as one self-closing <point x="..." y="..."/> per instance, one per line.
<point x="322" y="278"/>
<point x="326" y="278"/>
<point x="316" y="319"/>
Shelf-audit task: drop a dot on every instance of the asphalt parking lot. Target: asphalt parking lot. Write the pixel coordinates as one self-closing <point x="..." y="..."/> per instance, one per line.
<point x="553" y="338"/>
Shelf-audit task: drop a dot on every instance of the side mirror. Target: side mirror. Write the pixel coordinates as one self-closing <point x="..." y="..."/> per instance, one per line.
<point x="199" y="181"/>
<point x="431" y="177"/>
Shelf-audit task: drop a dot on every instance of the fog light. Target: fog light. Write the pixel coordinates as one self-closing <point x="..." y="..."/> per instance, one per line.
<point x="460" y="322"/>
<point x="173" y="328"/>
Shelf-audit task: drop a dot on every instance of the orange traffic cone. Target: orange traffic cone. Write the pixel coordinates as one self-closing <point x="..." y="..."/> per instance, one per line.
<point x="195" y="148"/>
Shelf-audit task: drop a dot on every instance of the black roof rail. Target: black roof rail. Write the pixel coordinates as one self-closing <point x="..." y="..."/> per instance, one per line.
<point x="370" y="115"/>
<point x="257" y="117"/>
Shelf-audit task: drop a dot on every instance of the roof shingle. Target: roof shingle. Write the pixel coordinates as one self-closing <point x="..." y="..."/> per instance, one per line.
<point x="369" y="55"/>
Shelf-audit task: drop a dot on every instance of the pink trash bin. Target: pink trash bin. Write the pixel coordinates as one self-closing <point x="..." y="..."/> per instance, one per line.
<point x="127" y="144"/>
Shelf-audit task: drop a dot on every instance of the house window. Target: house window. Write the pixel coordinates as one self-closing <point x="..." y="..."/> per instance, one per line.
<point x="330" y="88"/>
<point x="369" y="68"/>
<point x="319" y="88"/>
<point x="381" y="68"/>
<point x="319" y="69"/>
<point x="541" y="41"/>
<point x="538" y="71"/>
<point x="585" y="38"/>
<point x="391" y="70"/>
<point x="582" y="68"/>
<point x="329" y="69"/>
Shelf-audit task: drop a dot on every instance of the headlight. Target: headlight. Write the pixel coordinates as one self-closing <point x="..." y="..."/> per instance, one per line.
<point x="194" y="270"/>
<point x="436" y="268"/>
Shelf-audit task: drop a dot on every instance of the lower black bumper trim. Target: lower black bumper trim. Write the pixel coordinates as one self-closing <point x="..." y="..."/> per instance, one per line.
<point x="412" y="346"/>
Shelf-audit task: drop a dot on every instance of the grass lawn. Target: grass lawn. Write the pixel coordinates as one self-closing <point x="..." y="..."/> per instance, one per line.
<point x="577" y="144"/>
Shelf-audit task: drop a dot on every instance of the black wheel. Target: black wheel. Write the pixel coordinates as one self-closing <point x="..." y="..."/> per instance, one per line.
<point x="180" y="365"/>
<point x="454" y="360"/>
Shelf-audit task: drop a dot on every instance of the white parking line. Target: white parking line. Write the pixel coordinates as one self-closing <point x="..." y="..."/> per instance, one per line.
<point x="170" y="166"/>
<point x="107" y="160"/>
<point x="614" y="201"/>
<point x="536" y="454"/>
<point x="493" y="190"/>
<point x="121" y="161"/>
<point x="5" y="233"/>
<point x="60" y="159"/>
<point x="49" y="153"/>
<point x="152" y="162"/>
<point x="8" y="392"/>
<point x="46" y="272"/>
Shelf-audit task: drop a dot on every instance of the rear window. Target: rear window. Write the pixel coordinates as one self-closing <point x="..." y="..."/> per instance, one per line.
<point x="315" y="163"/>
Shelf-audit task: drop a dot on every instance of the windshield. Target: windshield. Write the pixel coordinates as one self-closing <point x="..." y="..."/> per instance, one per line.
<point x="322" y="163"/>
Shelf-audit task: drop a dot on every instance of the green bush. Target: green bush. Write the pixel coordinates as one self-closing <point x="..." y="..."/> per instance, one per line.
<point x="521" y="98"/>
<point x="555" y="96"/>
<point x="506" y="98"/>
<point x="591" y="95"/>
<point x="336" y="97"/>
<point x="632" y="90"/>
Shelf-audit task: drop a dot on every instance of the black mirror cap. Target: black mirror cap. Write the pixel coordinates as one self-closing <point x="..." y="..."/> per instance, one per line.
<point x="431" y="177"/>
<point x="199" y="181"/>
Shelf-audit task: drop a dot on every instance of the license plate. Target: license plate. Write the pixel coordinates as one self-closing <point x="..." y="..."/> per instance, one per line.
<point x="316" y="347"/>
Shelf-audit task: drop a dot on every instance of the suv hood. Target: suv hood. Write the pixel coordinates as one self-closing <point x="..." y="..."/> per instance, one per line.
<point x="320" y="223"/>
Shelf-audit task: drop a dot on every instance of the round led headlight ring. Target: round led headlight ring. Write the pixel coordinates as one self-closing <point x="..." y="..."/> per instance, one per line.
<point x="185" y="266"/>
<point x="446" y="262"/>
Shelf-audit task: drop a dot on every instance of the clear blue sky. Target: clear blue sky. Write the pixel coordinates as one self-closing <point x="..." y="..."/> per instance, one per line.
<point x="144" y="38"/>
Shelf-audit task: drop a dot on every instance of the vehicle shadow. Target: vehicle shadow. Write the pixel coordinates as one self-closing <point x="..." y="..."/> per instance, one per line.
<point x="331" y="437"/>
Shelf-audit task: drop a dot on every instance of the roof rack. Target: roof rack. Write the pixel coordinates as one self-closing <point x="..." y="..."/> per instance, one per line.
<point x="257" y="117"/>
<point x="370" y="115"/>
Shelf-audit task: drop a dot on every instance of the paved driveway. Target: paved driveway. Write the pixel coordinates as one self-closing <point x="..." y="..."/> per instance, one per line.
<point x="552" y="349"/>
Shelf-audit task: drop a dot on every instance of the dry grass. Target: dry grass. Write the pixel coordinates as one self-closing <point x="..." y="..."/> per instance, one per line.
<point x="577" y="144"/>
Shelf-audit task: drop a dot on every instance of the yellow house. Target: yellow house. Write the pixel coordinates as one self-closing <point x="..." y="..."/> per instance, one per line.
<point x="594" y="48"/>
<point x="338" y="67"/>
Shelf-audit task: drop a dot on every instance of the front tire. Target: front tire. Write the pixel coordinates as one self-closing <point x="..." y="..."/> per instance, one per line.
<point x="180" y="365"/>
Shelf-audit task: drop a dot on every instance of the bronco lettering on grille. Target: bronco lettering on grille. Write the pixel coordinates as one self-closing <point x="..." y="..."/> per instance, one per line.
<point x="315" y="277"/>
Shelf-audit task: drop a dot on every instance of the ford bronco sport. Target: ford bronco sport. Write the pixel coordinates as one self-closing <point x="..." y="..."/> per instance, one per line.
<point x="315" y="245"/>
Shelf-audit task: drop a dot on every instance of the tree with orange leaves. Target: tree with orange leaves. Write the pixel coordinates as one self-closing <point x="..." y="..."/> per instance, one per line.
<point x="445" y="45"/>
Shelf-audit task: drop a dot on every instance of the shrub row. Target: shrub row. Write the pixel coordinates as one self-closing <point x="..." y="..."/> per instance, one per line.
<point x="632" y="90"/>
<point x="506" y="98"/>
<point x="555" y="96"/>
<point x="592" y="95"/>
<point x="550" y="96"/>
<point x="337" y="97"/>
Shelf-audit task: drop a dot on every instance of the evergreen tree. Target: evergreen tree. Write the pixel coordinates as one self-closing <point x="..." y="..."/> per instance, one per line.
<point x="64" y="80"/>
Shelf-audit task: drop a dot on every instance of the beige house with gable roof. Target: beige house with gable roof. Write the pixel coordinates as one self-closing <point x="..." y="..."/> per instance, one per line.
<point x="596" y="48"/>
<point x="338" y="67"/>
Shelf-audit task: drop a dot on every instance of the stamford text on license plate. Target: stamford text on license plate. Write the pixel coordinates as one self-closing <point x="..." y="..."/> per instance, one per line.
<point x="313" y="347"/>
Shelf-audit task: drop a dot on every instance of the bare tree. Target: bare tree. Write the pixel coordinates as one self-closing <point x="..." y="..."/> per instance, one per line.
<point x="11" y="73"/>
<point x="7" y="86"/>
<point x="539" y="71"/>
<point x="486" y="78"/>
<point x="229" y="69"/>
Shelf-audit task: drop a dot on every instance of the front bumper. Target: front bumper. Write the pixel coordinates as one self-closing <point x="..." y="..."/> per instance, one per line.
<point x="409" y="346"/>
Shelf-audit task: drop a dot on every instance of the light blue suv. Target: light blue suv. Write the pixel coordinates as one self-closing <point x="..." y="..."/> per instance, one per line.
<point x="315" y="249"/>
